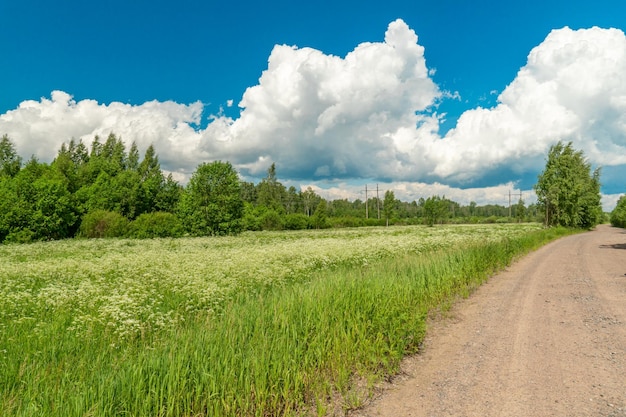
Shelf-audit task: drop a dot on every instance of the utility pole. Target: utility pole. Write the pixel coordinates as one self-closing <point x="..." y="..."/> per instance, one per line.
<point x="520" y="196"/>
<point x="377" y="202"/>
<point x="366" y="204"/>
<point x="509" y="203"/>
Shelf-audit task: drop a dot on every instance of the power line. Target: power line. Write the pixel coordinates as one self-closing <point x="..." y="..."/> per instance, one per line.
<point x="367" y="216"/>
<point x="378" y="190"/>
<point x="520" y="196"/>
<point x="377" y="202"/>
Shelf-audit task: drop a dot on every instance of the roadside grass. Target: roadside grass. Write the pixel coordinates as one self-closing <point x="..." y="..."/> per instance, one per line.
<point x="318" y="344"/>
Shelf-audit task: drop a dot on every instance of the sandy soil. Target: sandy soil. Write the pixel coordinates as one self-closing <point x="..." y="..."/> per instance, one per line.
<point x="546" y="337"/>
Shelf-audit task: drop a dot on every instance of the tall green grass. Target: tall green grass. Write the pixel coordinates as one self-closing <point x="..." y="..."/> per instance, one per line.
<point x="304" y="349"/>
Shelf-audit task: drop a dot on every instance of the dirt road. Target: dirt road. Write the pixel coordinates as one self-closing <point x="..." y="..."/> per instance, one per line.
<point x="547" y="337"/>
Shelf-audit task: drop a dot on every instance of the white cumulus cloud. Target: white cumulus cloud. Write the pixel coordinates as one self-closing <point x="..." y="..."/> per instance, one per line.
<point x="369" y="115"/>
<point x="326" y="116"/>
<point x="573" y="88"/>
<point x="40" y="127"/>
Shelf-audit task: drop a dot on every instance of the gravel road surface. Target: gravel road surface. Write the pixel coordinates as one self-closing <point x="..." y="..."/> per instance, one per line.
<point x="546" y="337"/>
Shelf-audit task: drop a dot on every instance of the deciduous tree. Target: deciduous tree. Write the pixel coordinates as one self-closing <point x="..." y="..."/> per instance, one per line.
<point x="618" y="215"/>
<point x="10" y="161"/>
<point x="520" y="210"/>
<point x="389" y="205"/>
<point x="568" y="190"/>
<point x="211" y="203"/>
<point x="271" y="193"/>
<point x="320" y="217"/>
<point x="435" y="209"/>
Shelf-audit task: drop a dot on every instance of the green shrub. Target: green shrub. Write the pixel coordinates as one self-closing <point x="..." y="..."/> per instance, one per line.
<point x="20" y="236"/>
<point x="250" y="219"/>
<point x="103" y="223"/>
<point x="156" y="224"/>
<point x="346" y="221"/>
<point x="374" y="222"/>
<point x="271" y="221"/>
<point x="490" y="220"/>
<point x="296" y="221"/>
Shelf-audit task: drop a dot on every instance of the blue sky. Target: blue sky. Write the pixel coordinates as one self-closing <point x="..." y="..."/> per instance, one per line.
<point x="173" y="67"/>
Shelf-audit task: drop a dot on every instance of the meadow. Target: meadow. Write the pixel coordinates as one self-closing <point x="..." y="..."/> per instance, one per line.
<point x="265" y="323"/>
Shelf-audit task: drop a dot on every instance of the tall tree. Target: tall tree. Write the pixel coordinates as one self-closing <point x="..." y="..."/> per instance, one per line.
<point x="36" y="205"/>
<point x="618" y="215"/>
<point x="211" y="203"/>
<point x="169" y="195"/>
<point x="472" y="208"/>
<point x="270" y="192"/>
<point x="133" y="158"/>
<point x="96" y="147"/>
<point x="152" y="181"/>
<point x="79" y="152"/>
<point x="389" y="205"/>
<point x="310" y="200"/>
<point x="435" y="209"/>
<point x="320" y="217"/>
<point x="118" y="155"/>
<point x="10" y="161"/>
<point x="568" y="190"/>
<point x="292" y="200"/>
<point x="520" y="210"/>
<point x="248" y="192"/>
<point x="150" y="163"/>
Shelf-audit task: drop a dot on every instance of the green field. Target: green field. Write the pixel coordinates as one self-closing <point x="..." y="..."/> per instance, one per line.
<point x="265" y="323"/>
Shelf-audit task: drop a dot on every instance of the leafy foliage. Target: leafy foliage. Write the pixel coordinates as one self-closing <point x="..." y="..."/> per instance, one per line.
<point x="618" y="215"/>
<point x="155" y="224"/>
<point x="435" y="209"/>
<point x="212" y="203"/>
<point x="103" y="223"/>
<point x="270" y="192"/>
<point x="296" y="221"/>
<point x="40" y="201"/>
<point x="320" y="217"/>
<point x="36" y="204"/>
<point x="568" y="190"/>
<point x="520" y="210"/>
<point x="10" y="162"/>
<point x="389" y="205"/>
<point x="271" y="220"/>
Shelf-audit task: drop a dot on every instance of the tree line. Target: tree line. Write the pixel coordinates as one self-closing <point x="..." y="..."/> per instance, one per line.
<point x="106" y="191"/>
<point x="618" y="215"/>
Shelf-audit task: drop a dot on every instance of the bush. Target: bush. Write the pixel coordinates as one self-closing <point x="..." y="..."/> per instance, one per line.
<point x="375" y="222"/>
<point x="270" y="220"/>
<point x="20" y="236"/>
<point x="346" y="221"/>
<point x="103" y="223"/>
<point x="490" y="220"/>
<point x="296" y="221"/>
<point x="156" y="224"/>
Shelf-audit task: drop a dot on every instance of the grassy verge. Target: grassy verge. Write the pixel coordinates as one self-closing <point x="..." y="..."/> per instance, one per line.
<point x="289" y="350"/>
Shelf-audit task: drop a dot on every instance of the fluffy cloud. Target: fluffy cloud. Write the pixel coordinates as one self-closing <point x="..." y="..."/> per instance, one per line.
<point x="40" y="127"/>
<point x="573" y="88"/>
<point x="325" y="116"/>
<point x="371" y="115"/>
